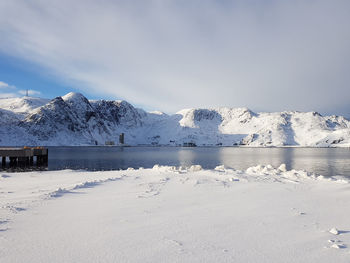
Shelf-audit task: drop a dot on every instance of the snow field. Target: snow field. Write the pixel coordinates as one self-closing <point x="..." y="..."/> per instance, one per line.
<point x="174" y="214"/>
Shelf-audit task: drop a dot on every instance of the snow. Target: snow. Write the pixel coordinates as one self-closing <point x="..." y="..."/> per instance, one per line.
<point x="22" y="105"/>
<point x="174" y="214"/>
<point x="74" y="120"/>
<point x="338" y="246"/>
<point x="334" y="231"/>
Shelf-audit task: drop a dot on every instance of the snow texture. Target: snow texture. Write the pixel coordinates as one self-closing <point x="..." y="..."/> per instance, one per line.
<point x="174" y="214"/>
<point x="74" y="120"/>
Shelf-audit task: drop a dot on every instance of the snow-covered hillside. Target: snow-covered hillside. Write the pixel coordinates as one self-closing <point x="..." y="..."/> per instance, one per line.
<point x="74" y="120"/>
<point x="22" y="105"/>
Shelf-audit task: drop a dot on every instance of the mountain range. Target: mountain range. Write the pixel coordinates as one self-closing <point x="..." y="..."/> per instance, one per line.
<point x="74" y="120"/>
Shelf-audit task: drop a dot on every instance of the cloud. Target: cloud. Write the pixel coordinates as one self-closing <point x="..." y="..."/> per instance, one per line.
<point x="30" y="92"/>
<point x="14" y="91"/>
<point x="7" y="91"/>
<point x="8" y="95"/>
<point x="3" y="85"/>
<point x="167" y="55"/>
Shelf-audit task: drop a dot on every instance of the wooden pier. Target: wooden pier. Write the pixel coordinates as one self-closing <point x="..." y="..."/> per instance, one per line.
<point x="24" y="157"/>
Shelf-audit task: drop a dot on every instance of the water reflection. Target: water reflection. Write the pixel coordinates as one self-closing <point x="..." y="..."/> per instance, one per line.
<point x="242" y="158"/>
<point x="186" y="157"/>
<point x="326" y="161"/>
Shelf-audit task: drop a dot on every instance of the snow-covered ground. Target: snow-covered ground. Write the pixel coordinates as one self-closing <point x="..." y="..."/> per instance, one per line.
<point x="169" y="214"/>
<point x="74" y="120"/>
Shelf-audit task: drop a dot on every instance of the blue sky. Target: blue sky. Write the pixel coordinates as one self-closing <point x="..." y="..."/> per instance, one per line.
<point x="168" y="55"/>
<point x="21" y="75"/>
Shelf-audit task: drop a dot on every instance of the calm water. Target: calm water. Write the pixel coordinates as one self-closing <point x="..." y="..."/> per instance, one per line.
<point x="326" y="161"/>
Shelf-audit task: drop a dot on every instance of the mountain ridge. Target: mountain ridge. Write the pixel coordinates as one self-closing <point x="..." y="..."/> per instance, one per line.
<point x="74" y="120"/>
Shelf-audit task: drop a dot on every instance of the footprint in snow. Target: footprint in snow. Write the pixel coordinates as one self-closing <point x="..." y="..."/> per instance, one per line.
<point x="299" y="213"/>
<point x="336" y="231"/>
<point x="14" y="209"/>
<point x="175" y="242"/>
<point x="233" y="180"/>
<point x="338" y="246"/>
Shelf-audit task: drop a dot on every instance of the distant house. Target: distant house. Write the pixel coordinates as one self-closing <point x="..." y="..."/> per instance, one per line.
<point x="109" y="143"/>
<point x="189" y="144"/>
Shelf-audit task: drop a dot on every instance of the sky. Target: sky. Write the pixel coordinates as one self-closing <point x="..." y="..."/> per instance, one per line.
<point x="168" y="55"/>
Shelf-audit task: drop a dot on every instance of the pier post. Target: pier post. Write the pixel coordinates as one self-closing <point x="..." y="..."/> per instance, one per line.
<point x="31" y="160"/>
<point x="3" y="161"/>
<point x="46" y="157"/>
<point x="13" y="161"/>
<point x="22" y="161"/>
<point x="40" y="160"/>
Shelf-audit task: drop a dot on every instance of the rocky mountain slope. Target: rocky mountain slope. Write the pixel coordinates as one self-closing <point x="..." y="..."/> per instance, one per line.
<point x="74" y="120"/>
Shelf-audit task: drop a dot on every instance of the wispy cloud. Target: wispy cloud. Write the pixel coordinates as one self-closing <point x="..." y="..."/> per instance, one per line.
<point x="30" y="92"/>
<point x="8" y="95"/>
<point x="10" y="91"/>
<point x="3" y="85"/>
<point x="267" y="55"/>
<point x="6" y="86"/>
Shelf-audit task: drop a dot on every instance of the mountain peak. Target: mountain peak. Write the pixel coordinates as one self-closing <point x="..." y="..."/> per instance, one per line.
<point x="74" y="96"/>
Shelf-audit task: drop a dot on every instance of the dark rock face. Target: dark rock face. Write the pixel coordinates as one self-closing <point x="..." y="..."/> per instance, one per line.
<point x="75" y="116"/>
<point x="204" y="114"/>
<point x="54" y="117"/>
<point x="107" y="110"/>
<point x="117" y="112"/>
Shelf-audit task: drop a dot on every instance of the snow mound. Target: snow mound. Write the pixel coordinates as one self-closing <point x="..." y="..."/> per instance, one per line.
<point x="87" y="184"/>
<point x="259" y="172"/>
<point x="165" y="168"/>
<point x="269" y="172"/>
<point x="338" y="246"/>
<point x="220" y="168"/>
<point x="334" y="231"/>
<point x="195" y="168"/>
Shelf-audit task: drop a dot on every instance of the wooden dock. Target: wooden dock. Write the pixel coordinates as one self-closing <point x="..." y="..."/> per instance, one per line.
<point x="24" y="157"/>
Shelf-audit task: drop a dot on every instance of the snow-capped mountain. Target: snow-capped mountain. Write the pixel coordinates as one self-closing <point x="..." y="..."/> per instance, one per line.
<point x="74" y="120"/>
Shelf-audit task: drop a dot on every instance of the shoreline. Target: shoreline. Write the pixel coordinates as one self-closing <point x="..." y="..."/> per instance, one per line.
<point x="174" y="146"/>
